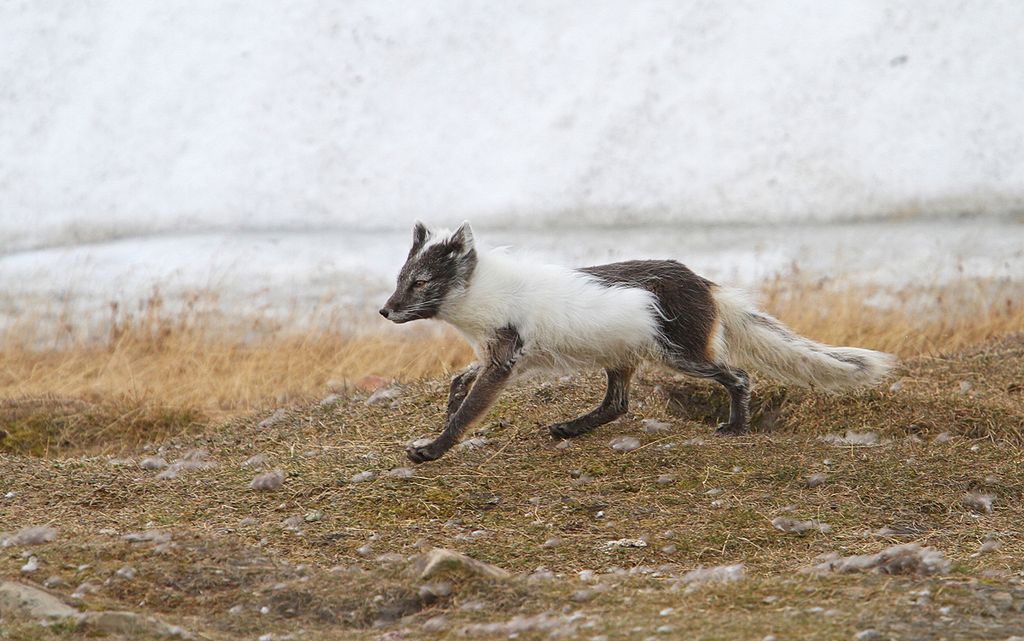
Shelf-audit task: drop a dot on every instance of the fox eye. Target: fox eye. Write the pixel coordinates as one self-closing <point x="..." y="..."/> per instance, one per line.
<point x="418" y="283"/>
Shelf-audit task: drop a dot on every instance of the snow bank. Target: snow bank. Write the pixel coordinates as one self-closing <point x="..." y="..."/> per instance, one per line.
<point x="122" y="118"/>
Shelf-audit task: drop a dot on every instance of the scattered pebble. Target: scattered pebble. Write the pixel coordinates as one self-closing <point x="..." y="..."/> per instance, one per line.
<point x="695" y="579"/>
<point x="624" y="543"/>
<point x="148" y="536"/>
<point x="400" y="473"/>
<point x="10" y="495"/>
<point x="153" y="463"/>
<point x="624" y="443"/>
<point x="654" y="426"/>
<point x="53" y="582"/>
<point x="852" y="438"/>
<point x="364" y="550"/>
<point x="666" y="612"/>
<point x="669" y="549"/>
<point x="474" y="443"/>
<point x="436" y="624"/>
<point x="329" y="400"/>
<point x="313" y="516"/>
<point x="978" y="502"/>
<point x="715" y="491"/>
<point x="268" y="481"/>
<point x="795" y="526"/>
<point x="383" y="395"/>
<point x="257" y="461"/>
<point x="989" y="546"/>
<point x="868" y="635"/>
<point x="816" y="479"/>
<point x="896" y="387"/>
<point x="941" y="438"/>
<point x="363" y="477"/>
<point x="29" y="536"/>
<point x="586" y="576"/>
<point x="908" y="558"/>
<point x="553" y="542"/>
<point x="272" y="420"/>
<point x="665" y="479"/>
<point x="31" y="566"/>
<point x="965" y="386"/>
<point x="127" y="572"/>
<point x="434" y="591"/>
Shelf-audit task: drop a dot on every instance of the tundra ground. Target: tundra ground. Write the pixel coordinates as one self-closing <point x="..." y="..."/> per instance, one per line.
<point x="327" y="554"/>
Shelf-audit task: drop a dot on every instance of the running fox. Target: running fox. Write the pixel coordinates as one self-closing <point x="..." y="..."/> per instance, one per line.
<point x="522" y="317"/>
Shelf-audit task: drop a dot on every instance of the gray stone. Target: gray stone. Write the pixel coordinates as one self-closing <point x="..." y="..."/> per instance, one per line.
<point x="440" y="561"/>
<point x="132" y="625"/>
<point x="21" y="600"/>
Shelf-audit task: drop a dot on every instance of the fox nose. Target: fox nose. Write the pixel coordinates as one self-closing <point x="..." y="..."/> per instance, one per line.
<point x="385" y="312"/>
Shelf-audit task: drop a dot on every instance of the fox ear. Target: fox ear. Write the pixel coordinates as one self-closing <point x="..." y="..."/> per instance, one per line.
<point x="420" y="234"/>
<point x="462" y="238"/>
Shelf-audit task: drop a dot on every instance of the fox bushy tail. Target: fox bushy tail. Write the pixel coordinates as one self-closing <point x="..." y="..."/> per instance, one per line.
<point x="751" y="339"/>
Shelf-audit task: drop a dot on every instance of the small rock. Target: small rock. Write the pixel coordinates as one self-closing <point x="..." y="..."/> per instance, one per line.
<point x="363" y="477"/>
<point x="654" y="426"/>
<point x="907" y="558"/>
<point x="268" y="481"/>
<point x="944" y="437"/>
<point x="400" y="473"/>
<point x="474" y="443"/>
<point x="852" y="438"/>
<point x="364" y="550"/>
<point x="816" y="479"/>
<point x="431" y="592"/>
<point x="148" y="536"/>
<point x="665" y="479"/>
<point x="563" y="445"/>
<point x="624" y="443"/>
<point x="624" y="543"/>
<point x="313" y="516"/>
<point x="383" y="395"/>
<point x="794" y="526"/>
<point x="18" y="599"/>
<point x="127" y="572"/>
<point x="700" y="577"/>
<point x="868" y="635"/>
<point x="29" y="536"/>
<point x="896" y="387"/>
<point x="666" y="612"/>
<point x="330" y="400"/>
<point x="272" y="420"/>
<point x="978" y="502"/>
<point x="130" y="624"/>
<point x="257" y="461"/>
<point x="436" y="624"/>
<point x="669" y="549"/>
<point x="965" y="386"/>
<point x="53" y="582"/>
<point x="553" y="542"/>
<point x="153" y="463"/>
<point x="31" y="565"/>
<point x="441" y="560"/>
<point x="715" y="491"/>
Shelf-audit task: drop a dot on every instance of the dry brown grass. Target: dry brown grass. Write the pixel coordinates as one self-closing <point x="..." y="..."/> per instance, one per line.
<point x="298" y="551"/>
<point x="154" y="372"/>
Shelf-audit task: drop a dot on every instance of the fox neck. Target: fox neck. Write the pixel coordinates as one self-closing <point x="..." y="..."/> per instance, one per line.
<point x="482" y="306"/>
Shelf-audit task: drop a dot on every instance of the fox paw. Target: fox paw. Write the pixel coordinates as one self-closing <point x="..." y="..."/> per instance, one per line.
<point x="730" y="429"/>
<point x="565" y="430"/>
<point x="424" y="453"/>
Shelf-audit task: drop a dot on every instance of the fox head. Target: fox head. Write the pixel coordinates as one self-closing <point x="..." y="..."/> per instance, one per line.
<point x="437" y="267"/>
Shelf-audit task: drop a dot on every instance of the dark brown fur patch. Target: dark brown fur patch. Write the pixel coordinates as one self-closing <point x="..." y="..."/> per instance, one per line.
<point x="687" y="306"/>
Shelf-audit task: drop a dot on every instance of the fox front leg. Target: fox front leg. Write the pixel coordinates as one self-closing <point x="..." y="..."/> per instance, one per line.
<point x="503" y="351"/>
<point x="460" y="388"/>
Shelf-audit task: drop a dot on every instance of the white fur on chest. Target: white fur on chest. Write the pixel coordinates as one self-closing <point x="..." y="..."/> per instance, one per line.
<point x="567" y="320"/>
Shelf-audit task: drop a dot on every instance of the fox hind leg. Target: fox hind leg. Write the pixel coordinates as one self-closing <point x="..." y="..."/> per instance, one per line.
<point x="735" y="381"/>
<point x="614" y="405"/>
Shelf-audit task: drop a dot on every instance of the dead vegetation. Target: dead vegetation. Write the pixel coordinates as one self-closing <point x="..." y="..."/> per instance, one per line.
<point x="599" y="541"/>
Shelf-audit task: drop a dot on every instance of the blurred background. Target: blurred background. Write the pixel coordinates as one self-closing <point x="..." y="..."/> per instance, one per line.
<point x="167" y="165"/>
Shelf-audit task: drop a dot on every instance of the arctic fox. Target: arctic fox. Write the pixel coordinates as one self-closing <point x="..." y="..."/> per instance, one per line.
<point x="520" y="316"/>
